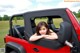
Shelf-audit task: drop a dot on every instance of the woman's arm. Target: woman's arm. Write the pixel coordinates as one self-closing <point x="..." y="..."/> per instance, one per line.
<point x="35" y="37"/>
<point x="52" y="36"/>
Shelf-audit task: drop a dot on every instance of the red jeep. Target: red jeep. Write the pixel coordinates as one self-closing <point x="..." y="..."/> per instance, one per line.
<point x="17" y="41"/>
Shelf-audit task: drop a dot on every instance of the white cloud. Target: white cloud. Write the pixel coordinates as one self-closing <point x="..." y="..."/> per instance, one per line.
<point x="43" y="0"/>
<point x="17" y="6"/>
<point x="65" y="4"/>
<point x="11" y="7"/>
<point x="71" y="5"/>
<point x="41" y="7"/>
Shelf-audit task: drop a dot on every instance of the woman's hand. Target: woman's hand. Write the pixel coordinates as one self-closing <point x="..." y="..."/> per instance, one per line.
<point x="44" y="36"/>
<point x="52" y="36"/>
<point x="35" y="37"/>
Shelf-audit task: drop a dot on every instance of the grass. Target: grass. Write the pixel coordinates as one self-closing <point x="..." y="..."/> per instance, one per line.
<point x="4" y="27"/>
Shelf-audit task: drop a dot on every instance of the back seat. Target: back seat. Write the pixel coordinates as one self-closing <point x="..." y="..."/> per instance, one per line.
<point x="20" y="29"/>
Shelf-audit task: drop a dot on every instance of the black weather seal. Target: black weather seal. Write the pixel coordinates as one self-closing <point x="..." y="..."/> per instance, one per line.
<point x="15" y="47"/>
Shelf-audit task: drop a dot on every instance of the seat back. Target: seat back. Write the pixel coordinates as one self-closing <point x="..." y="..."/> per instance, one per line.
<point x="63" y="35"/>
<point x="52" y="26"/>
<point x="65" y="32"/>
<point x="20" y="29"/>
<point x="33" y="25"/>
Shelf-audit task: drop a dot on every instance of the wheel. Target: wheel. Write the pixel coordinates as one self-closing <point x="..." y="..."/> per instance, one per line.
<point x="13" y="52"/>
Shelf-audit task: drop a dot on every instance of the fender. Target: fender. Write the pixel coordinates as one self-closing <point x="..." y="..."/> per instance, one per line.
<point x="14" y="46"/>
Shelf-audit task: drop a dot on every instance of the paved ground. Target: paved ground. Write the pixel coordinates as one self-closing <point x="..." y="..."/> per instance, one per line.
<point x="2" y="50"/>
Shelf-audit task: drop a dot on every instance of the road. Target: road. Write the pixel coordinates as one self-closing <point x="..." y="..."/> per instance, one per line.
<point x="2" y="50"/>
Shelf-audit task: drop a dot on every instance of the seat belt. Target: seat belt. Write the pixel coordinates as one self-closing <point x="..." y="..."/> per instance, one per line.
<point x="68" y="44"/>
<point x="18" y="32"/>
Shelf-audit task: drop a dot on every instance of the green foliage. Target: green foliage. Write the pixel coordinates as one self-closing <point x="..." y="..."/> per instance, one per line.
<point x="0" y="18"/>
<point x="18" y="18"/>
<point x="77" y="14"/>
<point x="74" y="13"/>
<point x="15" y="20"/>
<point x="6" y="17"/>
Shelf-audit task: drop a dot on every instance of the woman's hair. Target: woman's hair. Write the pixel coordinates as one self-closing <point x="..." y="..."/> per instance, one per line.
<point x="40" y="24"/>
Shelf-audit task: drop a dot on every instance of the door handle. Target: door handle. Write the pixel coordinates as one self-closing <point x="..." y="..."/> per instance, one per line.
<point x="36" y="49"/>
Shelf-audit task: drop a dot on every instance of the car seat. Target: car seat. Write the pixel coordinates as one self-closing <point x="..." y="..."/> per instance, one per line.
<point x="20" y="30"/>
<point x="33" y="25"/>
<point x="52" y="26"/>
<point x="63" y="34"/>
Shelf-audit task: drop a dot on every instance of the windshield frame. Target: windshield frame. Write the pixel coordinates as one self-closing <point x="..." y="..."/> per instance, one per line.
<point x="75" y="18"/>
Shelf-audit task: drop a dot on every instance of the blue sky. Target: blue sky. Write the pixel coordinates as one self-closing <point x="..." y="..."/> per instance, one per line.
<point x="11" y="7"/>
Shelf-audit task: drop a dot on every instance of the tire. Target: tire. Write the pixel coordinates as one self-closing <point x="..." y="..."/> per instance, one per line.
<point x="13" y="52"/>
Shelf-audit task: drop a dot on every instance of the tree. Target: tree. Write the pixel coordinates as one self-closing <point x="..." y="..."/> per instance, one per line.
<point x="15" y="19"/>
<point x="6" y="17"/>
<point x="75" y="13"/>
<point x="78" y="14"/>
<point x="0" y="18"/>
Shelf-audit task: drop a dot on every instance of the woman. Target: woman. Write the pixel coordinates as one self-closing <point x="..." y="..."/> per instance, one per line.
<point x="43" y="31"/>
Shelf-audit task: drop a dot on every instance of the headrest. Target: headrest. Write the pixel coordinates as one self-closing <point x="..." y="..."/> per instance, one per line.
<point x="64" y="32"/>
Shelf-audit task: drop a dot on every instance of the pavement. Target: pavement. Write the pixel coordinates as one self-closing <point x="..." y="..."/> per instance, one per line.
<point x="2" y="50"/>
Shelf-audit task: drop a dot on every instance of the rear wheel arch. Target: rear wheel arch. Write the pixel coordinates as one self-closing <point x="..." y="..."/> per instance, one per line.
<point x="12" y="46"/>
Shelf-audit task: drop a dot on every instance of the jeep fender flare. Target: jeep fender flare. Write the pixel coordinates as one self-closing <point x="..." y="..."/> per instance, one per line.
<point x="14" y="46"/>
